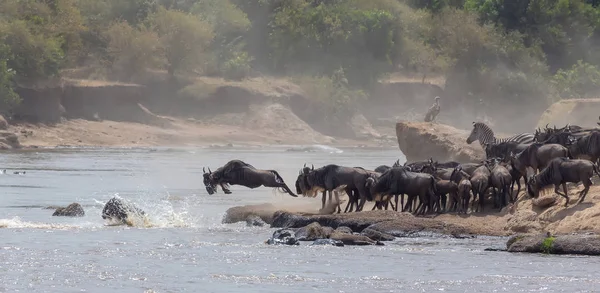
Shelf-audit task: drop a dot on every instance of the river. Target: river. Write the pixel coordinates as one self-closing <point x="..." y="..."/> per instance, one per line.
<point x="187" y="249"/>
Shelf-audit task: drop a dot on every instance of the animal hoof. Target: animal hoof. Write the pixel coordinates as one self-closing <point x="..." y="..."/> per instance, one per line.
<point x="227" y="192"/>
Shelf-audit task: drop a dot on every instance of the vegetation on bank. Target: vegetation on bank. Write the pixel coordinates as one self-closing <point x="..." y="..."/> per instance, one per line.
<point x="500" y="50"/>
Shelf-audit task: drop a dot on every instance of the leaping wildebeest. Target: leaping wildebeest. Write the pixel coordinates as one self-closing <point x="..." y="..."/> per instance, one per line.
<point x="559" y="172"/>
<point x="237" y="172"/>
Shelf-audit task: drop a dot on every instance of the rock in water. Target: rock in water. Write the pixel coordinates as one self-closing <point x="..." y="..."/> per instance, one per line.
<point x="72" y="210"/>
<point x="328" y="242"/>
<point x="283" y="237"/>
<point x="254" y="220"/>
<point x="120" y="210"/>
<point x="313" y="232"/>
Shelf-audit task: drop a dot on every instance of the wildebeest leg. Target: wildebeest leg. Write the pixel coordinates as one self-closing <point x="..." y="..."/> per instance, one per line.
<point x="224" y="187"/>
<point x="337" y="199"/>
<point x="586" y="188"/>
<point x="408" y="206"/>
<point x="565" y="195"/>
<point x="324" y="199"/>
<point x="396" y="196"/>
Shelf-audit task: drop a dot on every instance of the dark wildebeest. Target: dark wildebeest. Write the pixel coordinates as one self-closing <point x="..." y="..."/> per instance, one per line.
<point x="502" y="150"/>
<point x="401" y="181"/>
<point x="330" y="177"/>
<point x="120" y="210"/>
<point x="587" y="146"/>
<point x="383" y="168"/>
<point x="559" y="172"/>
<point x="500" y="180"/>
<point x="537" y="156"/>
<point x="463" y="196"/>
<point x="480" y="182"/>
<point x="469" y="168"/>
<point x="237" y="172"/>
<point x="443" y="184"/>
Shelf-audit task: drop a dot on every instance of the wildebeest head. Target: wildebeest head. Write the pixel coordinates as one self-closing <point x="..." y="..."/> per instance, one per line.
<point x="533" y="188"/>
<point x="209" y="181"/>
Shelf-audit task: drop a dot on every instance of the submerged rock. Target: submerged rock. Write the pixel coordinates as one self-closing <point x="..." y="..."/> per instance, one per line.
<point x="283" y="237"/>
<point x="583" y="244"/>
<point x="352" y="239"/>
<point x="377" y="235"/>
<point x="328" y="242"/>
<point x="72" y="210"/>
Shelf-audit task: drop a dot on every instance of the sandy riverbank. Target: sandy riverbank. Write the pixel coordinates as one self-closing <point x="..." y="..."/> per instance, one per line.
<point x="178" y="132"/>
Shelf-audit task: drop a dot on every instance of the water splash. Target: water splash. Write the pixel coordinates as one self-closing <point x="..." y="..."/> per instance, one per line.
<point x="17" y="223"/>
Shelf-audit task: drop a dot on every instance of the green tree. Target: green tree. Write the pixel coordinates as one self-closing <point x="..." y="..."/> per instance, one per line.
<point x="184" y="37"/>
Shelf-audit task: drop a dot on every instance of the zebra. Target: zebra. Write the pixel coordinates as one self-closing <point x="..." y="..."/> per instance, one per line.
<point x="485" y="135"/>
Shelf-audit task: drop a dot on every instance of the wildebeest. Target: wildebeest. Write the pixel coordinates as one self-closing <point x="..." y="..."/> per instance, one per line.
<point x="559" y="172"/>
<point x="587" y="146"/>
<point x="502" y="150"/>
<point x="383" y="168"/>
<point x="401" y="181"/>
<point x="480" y="182"/>
<point x="500" y="181"/>
<point x="237" y="172"/>
<point x="120" y="210"/>
<point x="330" y="177"/>
<point x="537" y="156"/>
<point x="464" y="187"/>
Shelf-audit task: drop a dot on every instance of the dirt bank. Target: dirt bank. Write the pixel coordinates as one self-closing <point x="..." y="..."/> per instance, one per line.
<point x="582" y="112"/>
<point x="422" y="140"/>
<point x="257" y="111"/>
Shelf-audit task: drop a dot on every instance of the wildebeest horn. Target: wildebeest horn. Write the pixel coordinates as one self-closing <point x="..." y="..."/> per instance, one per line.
<point x="209" y="171"/>
<point x="203" y="170"/>
<point x="312" y="166"/>
<point x="304" y="165"/>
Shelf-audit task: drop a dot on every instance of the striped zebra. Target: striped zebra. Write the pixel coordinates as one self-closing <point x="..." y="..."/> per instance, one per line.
<point x="485" y="135"/>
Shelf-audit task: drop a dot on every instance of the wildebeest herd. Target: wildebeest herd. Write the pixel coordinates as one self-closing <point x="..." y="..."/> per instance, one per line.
<point x="550" y="156"/>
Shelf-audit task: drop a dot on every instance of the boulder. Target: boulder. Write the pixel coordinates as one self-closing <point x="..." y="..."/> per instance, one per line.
<point x="581" y="244"/>
<point x="313" y="231"/>
<point x="343" y="229"/>
<point x="72" y="210"/>
<point x="377" y="235"/>
<point x="283" y="237"/>
<point x="423" y="140"/>
<point x="544" y="201"/>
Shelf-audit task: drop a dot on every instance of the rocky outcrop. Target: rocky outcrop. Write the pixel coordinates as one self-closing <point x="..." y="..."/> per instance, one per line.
<point x="72" y="210"/>
<point x="423" y="140"/>
<point x="382" y="225"/>
<point x="584" y="244"/>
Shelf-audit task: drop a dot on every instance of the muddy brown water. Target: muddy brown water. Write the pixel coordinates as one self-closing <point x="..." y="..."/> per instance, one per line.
<point x="185" y="248"/>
